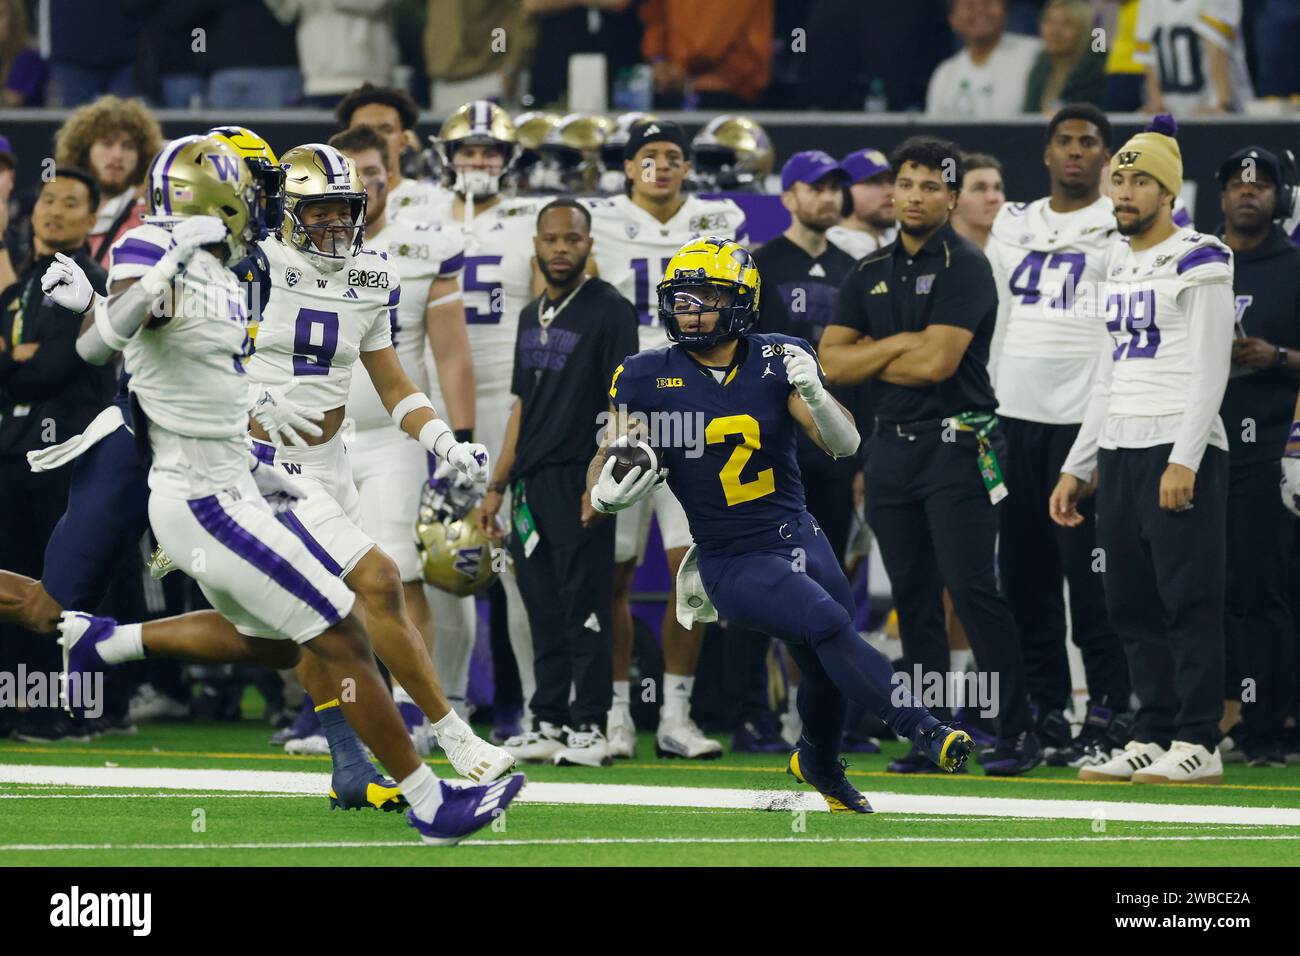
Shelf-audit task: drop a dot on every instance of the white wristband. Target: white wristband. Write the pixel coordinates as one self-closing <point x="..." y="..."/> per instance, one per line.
<point x="409" y="404"/>
<point x="434" y="432"/>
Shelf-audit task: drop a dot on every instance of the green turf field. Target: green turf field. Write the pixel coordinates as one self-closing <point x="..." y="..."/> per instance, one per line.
<point x="216" y="794"/>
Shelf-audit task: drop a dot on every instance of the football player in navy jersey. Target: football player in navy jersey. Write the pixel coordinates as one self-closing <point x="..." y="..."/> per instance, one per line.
<point x="759" y="558"/>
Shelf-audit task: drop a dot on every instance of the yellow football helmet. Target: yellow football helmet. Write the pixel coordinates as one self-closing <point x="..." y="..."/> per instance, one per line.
<point x="480" y="122"/>
<point x="205" y="176"/>
<point x="315" y="173"/>
<point x="531" y="128"/>
<point x="266" y="169"/>
<point x="455" y="556"/>
<point x="571" y="153"/>
<point x="704" y="276"/>
<point x="731" y="152"/>
<point x="612" y="177"/>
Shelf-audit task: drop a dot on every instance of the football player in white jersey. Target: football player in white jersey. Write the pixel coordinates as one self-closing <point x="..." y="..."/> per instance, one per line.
<point x="331" y="303"/>
<point x="1194" y="56"/>
<point x="634" y="236"/>
<point x="1049" y="260"/>
<point x="478" y="148"/>
<point x="870" y="223"/>
<point x="188" y="386"/>
<point x="388" y="467"/>
<point x="1162" y="467"/>
<point x="392" y="113"/>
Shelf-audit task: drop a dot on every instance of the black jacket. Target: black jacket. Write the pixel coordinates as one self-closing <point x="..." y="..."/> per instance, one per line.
<point x="1266" y="286"/>
<point x="53" y="395"/>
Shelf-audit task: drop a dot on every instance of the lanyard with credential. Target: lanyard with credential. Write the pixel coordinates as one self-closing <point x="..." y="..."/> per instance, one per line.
<point x="35" y="280"/>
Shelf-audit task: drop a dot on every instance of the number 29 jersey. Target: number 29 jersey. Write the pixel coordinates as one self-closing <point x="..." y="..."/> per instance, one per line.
<point x="729" y="446"/>
<point x="315" y="324"/>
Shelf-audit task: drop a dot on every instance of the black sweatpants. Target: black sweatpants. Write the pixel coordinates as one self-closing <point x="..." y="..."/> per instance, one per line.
<point x="567" y="586"/>
<point x="1164" y="584"/>
<point x="1259" y="632"/>
<point x="937" y="528"/>
<point x="1035" y="555"/>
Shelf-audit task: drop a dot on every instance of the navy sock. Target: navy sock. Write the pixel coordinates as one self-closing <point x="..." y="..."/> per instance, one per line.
<point x="866" y="677"/>
<point x="345" y="747"/>
<point x="821" y="708"/>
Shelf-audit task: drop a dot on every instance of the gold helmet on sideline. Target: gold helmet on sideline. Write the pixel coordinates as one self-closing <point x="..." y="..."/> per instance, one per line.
<point x="205" y="176"/>
<point x="316" y="173"/>
<point x="723" y="265"/>
<point x="731" y="152"/>
<point x="571" y="153"/>
<point x="531" y="128"/>
<point x="266" y="170"/>
<point x="484" y="123"/>
<point x="455" y="556"/>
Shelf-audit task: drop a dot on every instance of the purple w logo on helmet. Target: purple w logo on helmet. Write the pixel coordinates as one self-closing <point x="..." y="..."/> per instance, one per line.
<point x="227" y="167"/>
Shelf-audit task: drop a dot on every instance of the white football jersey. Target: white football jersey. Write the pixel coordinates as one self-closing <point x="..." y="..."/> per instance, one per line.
<point x="496" y="282"/>
<point x="1049" y="268"/>
<point x="316" y="324"/>
<point x="420" y="253"/>
<point x="858" y="243"/>
<point x="188" y="371"/>
<point x="1151" y="329"/>
<point x="632" y="248"/>
<point x="1175" y="37"/>
<point x="414" y="199"/>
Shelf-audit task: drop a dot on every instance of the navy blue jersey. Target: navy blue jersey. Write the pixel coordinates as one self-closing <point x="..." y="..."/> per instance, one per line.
<point x="729" y="446"/>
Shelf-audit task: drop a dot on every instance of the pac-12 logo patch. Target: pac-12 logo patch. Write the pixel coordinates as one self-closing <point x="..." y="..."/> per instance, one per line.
<point x="291" y="277"/>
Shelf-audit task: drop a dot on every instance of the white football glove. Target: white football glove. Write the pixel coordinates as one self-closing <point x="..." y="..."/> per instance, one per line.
<point x="609" y="496"/>
<point x="66" y="283"/>
<point x="1291" y="485"/>
<point x="282" y="419"/>
<point x="194" y="232"/>
<point x="280" y="491"/>
<point x="801" y="372"/>
<point x="470" y="459"/>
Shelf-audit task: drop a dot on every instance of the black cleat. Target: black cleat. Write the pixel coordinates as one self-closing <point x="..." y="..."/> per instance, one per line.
<point x="840" y="795"/>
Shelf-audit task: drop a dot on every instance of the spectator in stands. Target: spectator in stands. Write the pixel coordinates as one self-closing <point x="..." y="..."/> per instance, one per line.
<point x="566" y="27"/>
<point x="22" y="67"/>
<point x="1277" y="37"/>
<point x="254" y="59"/>
<point x="1068" y="70"/>
<point x="92" y="49"/>
<point x="1194" y="57"/>
<point x="708" y="56"/>
<point x="987" y="79"/>
<point x="47" y="395"/>
<point x="171" y="62"/>
<point x="341" y="45"/>
<point x="462" y="54"/>
<point x="115" y="140"/>
<point x="981" y="197"/>
<point x="1125" y="76"/>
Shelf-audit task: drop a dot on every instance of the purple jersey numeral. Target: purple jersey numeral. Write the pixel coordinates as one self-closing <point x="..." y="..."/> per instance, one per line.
<point x="1027" y="276"/>
<point x="310" y="358"/>
<point x="1137" y="310"/>
<point x="641" y="288"/>
<point x="472" y="283"/>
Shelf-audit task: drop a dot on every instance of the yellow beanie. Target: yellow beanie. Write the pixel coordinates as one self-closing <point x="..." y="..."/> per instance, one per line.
<point x="1154" y="151"/>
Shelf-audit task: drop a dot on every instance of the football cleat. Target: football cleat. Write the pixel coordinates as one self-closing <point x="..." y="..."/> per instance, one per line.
<point x="365" y="789"/>
<point x="916" y="760"/>
<point x="312" y="744"/>
<point x="1134" y="757"/>
<point x="1092" y="746"/>
<point x="1183" y="762"/>
<point x="539" y="744"/>
<point x="160" y="564"/>
<point x="621" y="733"/>
<point x="473" y="757"/>
<point x="466" y="809"/>
<point x="947" y="748"/>
<point x="306" y="724"/>
<point x="1266" y="756"/>
<point x="583" y="747"/>
<point x="682" y="738"/>
<point x="853" y="744"/>
<point x="760" y="735"/>
<point x="147" y="703"/>
<point x="831" y="782"/>
<point x="1054" y="731"/>
<point x="1014" y="756"/>
<point x="80" y="636"/>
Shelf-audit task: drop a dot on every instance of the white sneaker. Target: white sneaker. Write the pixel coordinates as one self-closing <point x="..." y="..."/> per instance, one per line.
<point x="1134" y="757"/>
<point x="149" y="704"/>
<point x="585" y="747"/>
<point x="621" y="733"/>
<point x="540" y="744"/>
<point x="681" y="738"/>
<point x="315" y="744"/>
<point x="1184" y="763"/>
<point x="473" y="757"/>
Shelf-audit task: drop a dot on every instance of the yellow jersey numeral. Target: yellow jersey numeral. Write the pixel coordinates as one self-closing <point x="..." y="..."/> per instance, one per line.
<point x="737" y="491"/>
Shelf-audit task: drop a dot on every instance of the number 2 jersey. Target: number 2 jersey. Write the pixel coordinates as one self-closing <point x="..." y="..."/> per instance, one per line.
<point x="729" y="445"/>
<point x="315" y="325"/>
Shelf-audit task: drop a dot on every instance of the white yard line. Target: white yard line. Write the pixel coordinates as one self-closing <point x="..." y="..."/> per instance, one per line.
<point x="283" y="782"/>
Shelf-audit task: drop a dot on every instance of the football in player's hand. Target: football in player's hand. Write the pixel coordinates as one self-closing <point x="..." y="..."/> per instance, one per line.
<point x="626" y="457"/>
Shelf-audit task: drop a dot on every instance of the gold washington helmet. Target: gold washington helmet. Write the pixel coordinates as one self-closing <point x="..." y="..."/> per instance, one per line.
<point x="571" y="153"/>
<point x="205" y="176"/>
<point x="316" y="173"/>
<point x="455" y="556"/>
<point x="731" y="152"/>
<point x="709" y="275"/>
<point x="266" y="170"/>
<point x="530" y="129"/>
<point x="478" y="123"/>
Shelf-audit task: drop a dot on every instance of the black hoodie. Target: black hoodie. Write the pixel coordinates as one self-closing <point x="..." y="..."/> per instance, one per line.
<point x="1268" y="276"/>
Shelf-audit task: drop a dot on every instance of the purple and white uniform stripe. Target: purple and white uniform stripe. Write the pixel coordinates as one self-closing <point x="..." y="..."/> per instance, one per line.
<point x="134" y="251"/>
<point x="1204" y="255"/>
<point x="294" y="524"/>
<point x="159" y="171"/>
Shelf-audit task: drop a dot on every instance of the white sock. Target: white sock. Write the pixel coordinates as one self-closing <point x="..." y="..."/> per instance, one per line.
<point x="126" y="643"/>
<point x="792" y="701"/>
<point x="423" y="791"/>
<point x="960" y="660"/>
<point x="452" y="722"/>
<point x="677" y="696"/>
<point x="400" y="695"/>
<point x="622" y="694"/>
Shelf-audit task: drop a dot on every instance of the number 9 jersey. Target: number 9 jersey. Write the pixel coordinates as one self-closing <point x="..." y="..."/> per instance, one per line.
<point x="315" y="324"/>
<point x="729" y="445"/>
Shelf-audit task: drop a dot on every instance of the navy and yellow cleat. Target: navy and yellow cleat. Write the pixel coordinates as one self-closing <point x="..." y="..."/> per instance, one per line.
<point x="947" y="747"/>
<point x="840" y="795"/>
<point x="366" y="790"/>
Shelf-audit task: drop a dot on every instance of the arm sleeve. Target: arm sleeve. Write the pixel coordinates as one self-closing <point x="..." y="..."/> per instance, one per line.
<point x="380" y="333"/>
<point x="964" y="294"/>
<point x="849" y="307"/>
<point x="1082" y="460"/>
<point x="1002" y="289"/>
<point x="1210" y="308"/>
